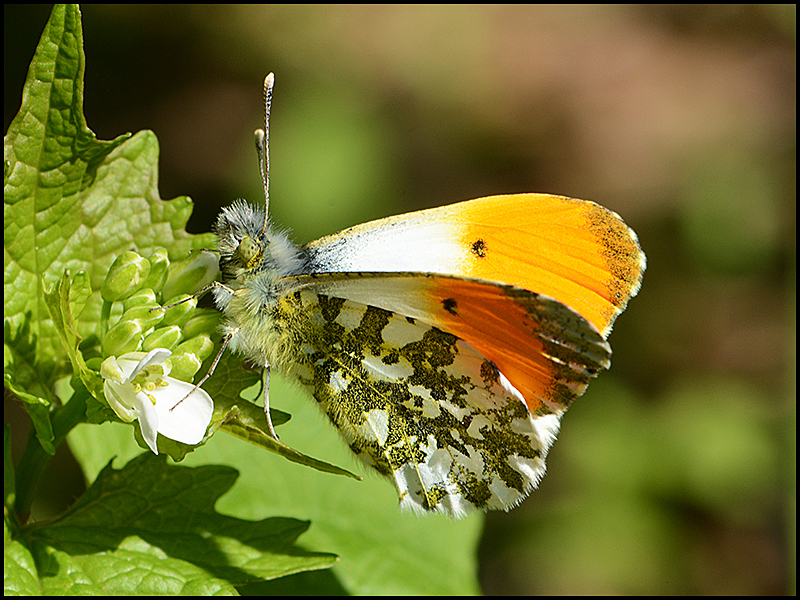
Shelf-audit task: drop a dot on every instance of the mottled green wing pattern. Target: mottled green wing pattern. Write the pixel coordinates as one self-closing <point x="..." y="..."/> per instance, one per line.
<point x="418" y="404"/>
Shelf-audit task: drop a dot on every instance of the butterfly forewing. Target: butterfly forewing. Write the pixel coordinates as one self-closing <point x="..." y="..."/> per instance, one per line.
<point x="574" y="251"/>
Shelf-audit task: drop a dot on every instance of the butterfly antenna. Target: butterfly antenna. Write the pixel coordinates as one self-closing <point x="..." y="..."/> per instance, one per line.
<point x="262" y="144"/>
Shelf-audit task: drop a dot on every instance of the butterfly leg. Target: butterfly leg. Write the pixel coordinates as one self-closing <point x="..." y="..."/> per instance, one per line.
<point x="266" y="403"/>
<point x="210" y="371"/>
<point x="210" y="286"/>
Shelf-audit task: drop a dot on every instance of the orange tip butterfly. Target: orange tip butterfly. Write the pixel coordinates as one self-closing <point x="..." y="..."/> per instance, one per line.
<point x="444" y="344"/>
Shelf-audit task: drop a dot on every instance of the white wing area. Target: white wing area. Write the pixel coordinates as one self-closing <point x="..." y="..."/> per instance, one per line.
<point x="402" y="243"/>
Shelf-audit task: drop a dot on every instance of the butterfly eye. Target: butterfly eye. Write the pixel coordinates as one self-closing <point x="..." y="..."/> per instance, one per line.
<point x="248" y="253"/>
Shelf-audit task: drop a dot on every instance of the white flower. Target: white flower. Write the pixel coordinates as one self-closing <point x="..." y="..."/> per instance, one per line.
<point x="137" y="387"/>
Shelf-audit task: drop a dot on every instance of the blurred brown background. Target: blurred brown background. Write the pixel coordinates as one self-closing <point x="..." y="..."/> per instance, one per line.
<point x="676" y="472"/>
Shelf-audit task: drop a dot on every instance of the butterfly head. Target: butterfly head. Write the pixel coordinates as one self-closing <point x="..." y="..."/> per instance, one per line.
<point x="248" y="248"/>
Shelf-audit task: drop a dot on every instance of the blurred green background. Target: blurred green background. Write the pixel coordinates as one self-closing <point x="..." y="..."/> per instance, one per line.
<point x="675" y="473"/>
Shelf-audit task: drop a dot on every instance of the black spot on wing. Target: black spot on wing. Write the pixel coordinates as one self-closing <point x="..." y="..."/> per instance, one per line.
<point x="478" y="248"/>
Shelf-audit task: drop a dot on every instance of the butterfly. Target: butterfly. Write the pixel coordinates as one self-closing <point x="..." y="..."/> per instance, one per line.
<point x="444" y="344"/>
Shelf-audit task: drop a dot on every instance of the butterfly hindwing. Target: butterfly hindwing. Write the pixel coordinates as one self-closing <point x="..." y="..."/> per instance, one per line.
<point x="453" y="388"/>
<point x="420" y="405"/>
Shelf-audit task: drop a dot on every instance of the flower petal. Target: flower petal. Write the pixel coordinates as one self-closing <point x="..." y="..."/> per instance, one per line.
<point x="156" y="356"/>
<point x="121" y="399"/>
<point x="188" y="421"/>
<point x="148" y="421"/>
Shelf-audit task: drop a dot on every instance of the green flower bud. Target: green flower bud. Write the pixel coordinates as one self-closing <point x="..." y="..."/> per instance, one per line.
<point x="163" y="337"/>
<point x="185" y="366"/>
<point x="203" y="322"/>
<point x="126" y="275"/>
<point x="94" y="363"/>
<point x="200" y="346"/>
<point x="188" y="357"/>
<point x="125" y="336"/>
<point x="159" y="269"/>
<point x="144" y="297"/>
<point x="180" y="313"/>
<point x="143" y="315"/>
<point x="191" y="275"/>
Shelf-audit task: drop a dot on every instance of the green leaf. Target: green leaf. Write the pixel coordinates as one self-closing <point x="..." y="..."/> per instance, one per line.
<point x="74" y="204"/>
<point x="91" y="201"/>
<point x="241" y="422"/>
<point x="71" y="203"/>
<point x="151" y="528"/>
<point x="65" y="301"/>
<point x="382" y="550"/>
<point x="9" y="482"/>
<point x="37" y="407"/>
<point x="19" y="571"/>
<point x="246" y="420"/>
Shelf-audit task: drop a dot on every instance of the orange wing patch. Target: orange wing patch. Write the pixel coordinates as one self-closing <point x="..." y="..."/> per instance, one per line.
<point x="572" y="250"/>
<point x="546" y="350"/>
